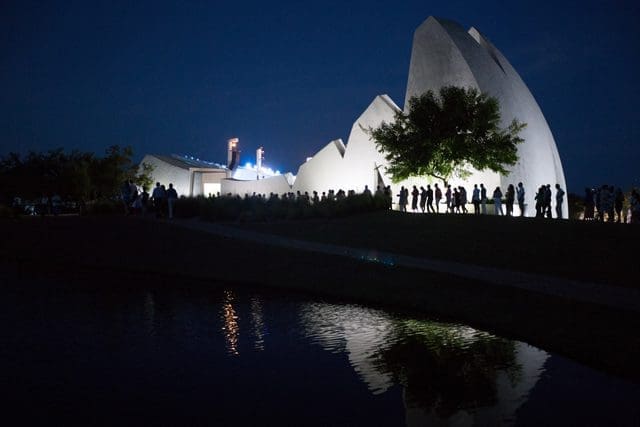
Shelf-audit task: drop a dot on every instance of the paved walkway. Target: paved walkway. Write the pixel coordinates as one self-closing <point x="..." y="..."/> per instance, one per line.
<point x="612" y="296"/>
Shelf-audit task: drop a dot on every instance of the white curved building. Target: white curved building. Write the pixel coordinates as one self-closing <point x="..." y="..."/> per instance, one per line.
<point x="445" y="54"/>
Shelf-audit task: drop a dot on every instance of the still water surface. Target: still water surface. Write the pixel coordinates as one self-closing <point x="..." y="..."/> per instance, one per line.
<point x="237" y="356"/>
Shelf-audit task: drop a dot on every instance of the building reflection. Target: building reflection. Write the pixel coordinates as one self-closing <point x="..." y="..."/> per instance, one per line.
<point x="230" y="326"/>
<point x="450" y="374"/>
<point x="358" y="331"/>
<point x="257" y="322"/>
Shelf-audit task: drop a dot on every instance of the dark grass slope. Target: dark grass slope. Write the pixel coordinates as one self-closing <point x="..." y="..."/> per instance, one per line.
<point x="118" y="253"/>
<point x="589" y="251"/>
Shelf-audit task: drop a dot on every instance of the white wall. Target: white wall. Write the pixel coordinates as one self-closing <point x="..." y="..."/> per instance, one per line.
<point x="276" y="184"/>
<point x="166" y="173"/>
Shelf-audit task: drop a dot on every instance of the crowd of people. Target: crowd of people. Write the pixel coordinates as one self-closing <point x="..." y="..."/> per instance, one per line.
<point x="603" y="204"/>
<point x="382" y="193"/>
<point x="606" y="203"/>
<point x="161" y="201"/>
<point x="456" y="200"/>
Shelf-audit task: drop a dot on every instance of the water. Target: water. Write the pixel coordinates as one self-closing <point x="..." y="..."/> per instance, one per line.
<point x="237" y="356"/>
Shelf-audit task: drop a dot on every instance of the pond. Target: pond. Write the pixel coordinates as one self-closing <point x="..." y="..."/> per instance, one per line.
<point x="239" y="356"/>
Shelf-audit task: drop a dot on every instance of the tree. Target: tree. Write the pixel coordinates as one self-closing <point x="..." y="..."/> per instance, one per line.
<point x="443" y="135"/>
<point x="144" y="178"/>
<point x="78" y="175"/>
<point x="110" y="172"/>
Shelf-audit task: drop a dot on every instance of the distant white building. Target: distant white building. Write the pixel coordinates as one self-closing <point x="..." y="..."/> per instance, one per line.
<point x="189" y="176"/>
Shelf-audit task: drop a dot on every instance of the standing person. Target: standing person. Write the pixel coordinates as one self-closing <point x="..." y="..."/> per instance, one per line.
<point x="447" y="194"/>
<point x="164" y="199"/>
<point x="402" y="200"/>
<point x="475" y="199"/>
<point x="414" y="199"/>
<point x="456" y="200"/>
<point x="172" y="196"/>
<point x="635" y="207"/>
<point x="134" y="190"/>
<point x="430" y="199"/>
<point x="406" y="198"/>
<point x="589" y="204"/>
<point x="438" y="198"/>
<point x="619" y="202"/>
<point x="540" y="201"/>
<point x="598" y="203"/>
<point x="612" y="202"/>
<point x="520" y="197"/>
<point x="158" y="195"/>
<point x="483" y="199"/>
<point x="497" y="201"/>
<point x="511" y="195"/>
<point x="133" y="197"/>
<point x="144" y="200"/>
<point x="559" y="200"/>
<point x="547" y="201"/>
<point x="387" y="196"/>
<point x="604" y="202"/>
<point x="463" y="199"/>
<point x="423" y="198"/>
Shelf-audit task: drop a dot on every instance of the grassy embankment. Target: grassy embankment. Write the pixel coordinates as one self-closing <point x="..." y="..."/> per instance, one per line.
<point x="102" y="251"/>
<point x="587" y="251"/>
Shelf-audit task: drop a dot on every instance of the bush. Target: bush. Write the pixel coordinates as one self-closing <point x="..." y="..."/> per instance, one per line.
<point x="104" y="207"/>
<point x="257" y="209"/>
<point x="7" y="212"/>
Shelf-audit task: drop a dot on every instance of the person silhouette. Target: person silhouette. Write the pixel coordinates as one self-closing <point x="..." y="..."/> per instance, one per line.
<point x="510" y="196"/>
<point x="414" y="199"/>
<point x="559" y="200"/>
<point x="520" y="197"/>
<point x="475" y="199"/>
<point x="423" y="198"/>
<point x="497" y="201"/>
<point x="438" y="194"/>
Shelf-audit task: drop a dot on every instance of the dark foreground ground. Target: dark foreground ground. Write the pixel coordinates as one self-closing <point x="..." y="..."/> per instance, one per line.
<point x="98" y="251"/>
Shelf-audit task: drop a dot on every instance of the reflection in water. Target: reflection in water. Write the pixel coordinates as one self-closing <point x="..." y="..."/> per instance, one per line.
<point x="257" y="323"/>
<point x="230" y="327"/>
<point x="358" y="331"/>
<point x="149" y="314"/>
<point x="94" y="353"/>
<point x="449" y="373"/>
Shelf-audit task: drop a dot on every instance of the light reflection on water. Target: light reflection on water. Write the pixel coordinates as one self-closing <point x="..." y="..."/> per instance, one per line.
<point x="230" y="327"/>
<point x="239" y="354"/>
<point x="258" y="323"/>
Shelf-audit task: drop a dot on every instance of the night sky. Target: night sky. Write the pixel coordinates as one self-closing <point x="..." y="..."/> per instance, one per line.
<point x="182" y="77"/>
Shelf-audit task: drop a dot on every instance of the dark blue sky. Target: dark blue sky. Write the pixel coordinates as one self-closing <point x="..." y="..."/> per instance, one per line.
<point x="182" y="77"/>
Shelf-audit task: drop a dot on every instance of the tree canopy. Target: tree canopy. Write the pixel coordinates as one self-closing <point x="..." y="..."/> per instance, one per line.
<point x="76" y="175"/>
<point x="443" y="135"/>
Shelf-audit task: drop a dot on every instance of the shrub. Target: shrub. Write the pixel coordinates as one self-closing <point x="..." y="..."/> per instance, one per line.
<point x="104" y="207"/>
<point x="255" y="209"/>
<point x="7" y="212"/>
